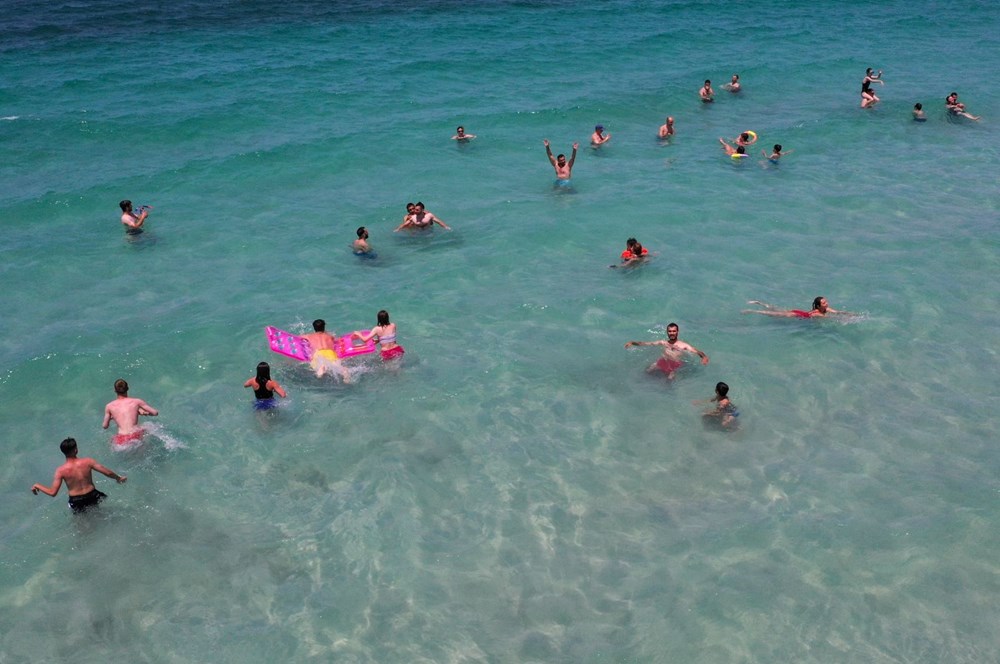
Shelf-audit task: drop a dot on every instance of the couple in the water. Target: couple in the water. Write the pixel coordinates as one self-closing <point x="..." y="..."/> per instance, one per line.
<point x="418" y="217"/>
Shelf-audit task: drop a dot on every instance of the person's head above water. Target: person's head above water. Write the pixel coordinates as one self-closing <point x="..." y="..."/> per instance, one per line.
<point x="362" y="232"/>
<point x="598" y="128"/>
<point x="126" y="205"/>
<point x="68" y="447"/>
<point x="460" y="130"/>
<point x="121" y="387"/>
<point x="263" y="373"/>
<point x="319" y="325"/>
<point x="721" y="389"/>
<point x="820" y="303"/>
<point x="777" y="147"/>
<point x="740" y="149"/>
<point x="383" y="317"/>
<point x="419" y="207"/>
<point x="673" y="331"/>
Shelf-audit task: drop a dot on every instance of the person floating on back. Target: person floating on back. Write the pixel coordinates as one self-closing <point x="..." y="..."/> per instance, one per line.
<point x="77" y="474"/>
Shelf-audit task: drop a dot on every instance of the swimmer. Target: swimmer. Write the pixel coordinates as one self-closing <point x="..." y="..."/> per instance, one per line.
<point x="599" y="138"/>
<point x="673" y="350"/>
<point x="820" y="309"/>
<point x="133" y="222"/>
<point x="361" y="245"/>
<point x="461" y="136"/>
<point x="918" y="112"/>
<point x="384" y="334"/>
<point x="424" y="219"/>
<point x="776" y="153"/>
<point x="77" y="473"/>
<point x="634" y="252"/>
<point x="264" y="388"/>
<point x="725" y="411"/>
<point x="736" y="153"/>
<point x="125" y="411"/>
<point x="707" y="93"/>
<point x="734" y="85"/>
<point x="324" y="352"/>
<point x="746" y="138"/>
<point x="955" y="107"/>
<point x="564" y="169"/>
<point x="868" y="98"/>
<point x="667" y="129"/>
<point x="407" y="218"/>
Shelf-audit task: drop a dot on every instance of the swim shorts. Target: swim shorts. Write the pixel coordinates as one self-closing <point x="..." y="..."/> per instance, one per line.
<point x="801" y="314"/>
<point x="323" y="356"/>
<point x="562" y="183"/>
<point x="265" y="404"/>
<point x="126" y="438"/>
<point x="395" y="351"/>
<point x="80" y="503"/>
<point x="668" y="366"/>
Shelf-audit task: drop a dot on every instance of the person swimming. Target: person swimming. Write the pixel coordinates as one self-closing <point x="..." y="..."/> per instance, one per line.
<point x="820" y="309"/>
<point x="725" y="411"/>
<point x="384" y="334"/>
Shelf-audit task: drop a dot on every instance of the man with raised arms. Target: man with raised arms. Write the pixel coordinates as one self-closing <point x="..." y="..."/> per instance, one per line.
<point x="77" y="474"/>
<point x="564" y="169"/>
<point x="673" y="351"/>
<point x="125" y="411"/>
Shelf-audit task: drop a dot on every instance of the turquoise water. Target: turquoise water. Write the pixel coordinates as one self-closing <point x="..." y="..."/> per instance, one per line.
<point x="519" y="490"/>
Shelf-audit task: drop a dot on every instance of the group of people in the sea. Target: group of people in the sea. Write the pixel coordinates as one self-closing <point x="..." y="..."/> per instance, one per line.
<point x="125" y="411"/>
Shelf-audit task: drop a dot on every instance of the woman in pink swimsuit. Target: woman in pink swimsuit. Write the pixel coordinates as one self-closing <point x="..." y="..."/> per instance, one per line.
<point x="820" y="308"/>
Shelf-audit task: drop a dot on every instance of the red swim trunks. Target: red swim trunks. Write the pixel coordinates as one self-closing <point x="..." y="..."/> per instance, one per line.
<point x="395" y="351"/>
<point x="668" y="366"/>
<point x="126" y="438"/>
<point x="801" y="314"/>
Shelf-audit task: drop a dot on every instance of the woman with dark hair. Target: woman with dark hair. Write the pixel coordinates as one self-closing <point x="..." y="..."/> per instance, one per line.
<point x="384" y="335"/>
<point x="264" y="388"/>
<point x="820" y="308"/>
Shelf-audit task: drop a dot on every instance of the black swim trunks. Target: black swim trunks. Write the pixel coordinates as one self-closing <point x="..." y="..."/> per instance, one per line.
<point x="81" y="503"/>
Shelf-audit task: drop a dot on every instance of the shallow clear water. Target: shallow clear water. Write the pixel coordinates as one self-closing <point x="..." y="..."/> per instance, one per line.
<point x="519" y="489"/>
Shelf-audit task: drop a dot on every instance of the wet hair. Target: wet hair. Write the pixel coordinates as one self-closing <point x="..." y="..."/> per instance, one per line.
<point x="869" y="71"/>
<point x="361" y="231"/>
<point x="419" y="205"/>
<point x="560" y="156"/>
<point x="631" y="242"/>
<point x="383" y="317"/>
<point x="121" y="387"/>
<point x="460" y="128"/>
<point x="319" y="325"/>
<point x="816" y="301"/>
<point x="408" y="206"/>
<point x="637" y="248"/>
<point x="68" y="446"/>
<point x="125" y="205"/>
<point x="708" y="82"/>
<point x="670" y="325"/>
<point x="721" y="389"/>
<point x="740" y="149"/>
<point x="736" y="76"/>
<point x="263" y="374"/>
<point x="745" y="136"/>
<point x="777" y="147"/>
<point x="918" y="106"/>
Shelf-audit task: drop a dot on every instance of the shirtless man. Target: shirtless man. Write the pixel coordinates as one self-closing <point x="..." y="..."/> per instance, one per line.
<point x="361" y="245"/>
<point x="133" y="222"/>
<point x="564" y="169"/>
<point x="76" y="473"/>
<point x="707" y="93"/>
<point x="776" y="153"/>
<point x="733" y="85"/>
<point x="407" y="218"/>
<point x="737" y="153"/>
<point x="324" y="354"/>
<point x="599" y="138"/>
<point x="955" y="107"/>
<point x="125" y="411"/>
<point x="423" y="219"/>
<point x="667" y="130"/>
<point x="461" y="136"/>
<point x="673" y="350"/>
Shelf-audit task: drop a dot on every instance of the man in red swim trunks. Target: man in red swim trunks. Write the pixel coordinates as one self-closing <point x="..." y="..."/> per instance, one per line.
<point x="673" y="350"/>
<point x="125" y="411"/>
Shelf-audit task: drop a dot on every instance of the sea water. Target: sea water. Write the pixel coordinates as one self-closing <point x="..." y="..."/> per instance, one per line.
<point x="517" y="489"/>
